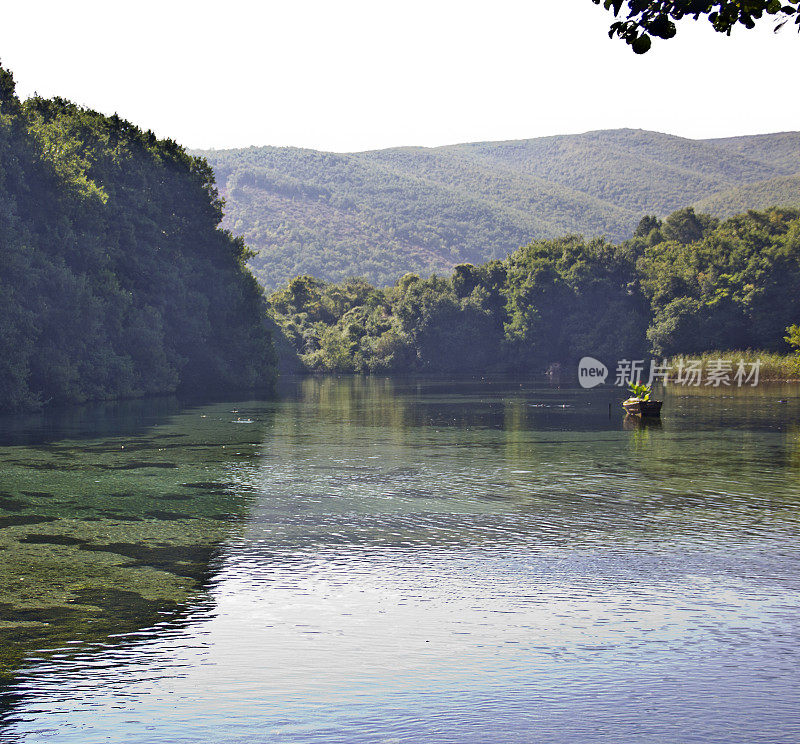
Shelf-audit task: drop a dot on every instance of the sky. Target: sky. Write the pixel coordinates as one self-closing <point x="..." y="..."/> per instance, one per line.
<point x="363" y="74"/>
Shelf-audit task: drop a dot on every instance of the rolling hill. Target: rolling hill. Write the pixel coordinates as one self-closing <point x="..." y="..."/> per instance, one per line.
<point x="382" y="213"/>
<point x="780" y="191"/>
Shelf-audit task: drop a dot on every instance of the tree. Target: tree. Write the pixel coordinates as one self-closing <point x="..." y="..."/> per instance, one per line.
<point x="646" y="225"/>
<point x="793" y="336"/>
<point x="684" y="226"/>
<point x="648" y="18"/>
<point x="115" y="280"/>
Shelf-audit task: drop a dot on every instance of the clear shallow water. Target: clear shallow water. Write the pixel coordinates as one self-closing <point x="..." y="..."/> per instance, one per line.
<point x="404" y="561"/>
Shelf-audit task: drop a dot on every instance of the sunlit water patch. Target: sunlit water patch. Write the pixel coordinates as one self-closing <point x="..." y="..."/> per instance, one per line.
<point x="408" y="561"/>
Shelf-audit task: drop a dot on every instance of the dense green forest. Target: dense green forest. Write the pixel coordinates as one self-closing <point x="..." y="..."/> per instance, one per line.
<point x="681" y="285"/>
<point x="384" y="213"/>
<point x="115" y="279"/>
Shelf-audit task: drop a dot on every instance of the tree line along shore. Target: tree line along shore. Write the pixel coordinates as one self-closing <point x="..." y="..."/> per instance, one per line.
<point x="682" y="286"/>
<point x="117" y="281"/>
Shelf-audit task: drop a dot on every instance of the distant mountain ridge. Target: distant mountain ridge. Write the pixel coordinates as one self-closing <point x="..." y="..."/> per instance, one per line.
<point x="382" y="213"/>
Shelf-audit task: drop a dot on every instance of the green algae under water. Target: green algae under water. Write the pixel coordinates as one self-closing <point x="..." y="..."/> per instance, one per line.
<point x="418" y="560"/>
<point x="104" y="535"/>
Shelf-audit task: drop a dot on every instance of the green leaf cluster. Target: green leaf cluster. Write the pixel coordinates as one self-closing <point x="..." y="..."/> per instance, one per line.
<point x="656" y="18"/>
<point x="792" y="336"/>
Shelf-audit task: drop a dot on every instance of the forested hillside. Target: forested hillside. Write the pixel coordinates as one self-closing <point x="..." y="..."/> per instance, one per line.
<point x="683" y="285"/>
<point x="783" y="190"/>
<point x="115" y="279"/>
<point x="380" y="214"/>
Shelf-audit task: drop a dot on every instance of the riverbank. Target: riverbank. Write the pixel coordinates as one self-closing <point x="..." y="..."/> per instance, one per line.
<point x="772" y="367"/>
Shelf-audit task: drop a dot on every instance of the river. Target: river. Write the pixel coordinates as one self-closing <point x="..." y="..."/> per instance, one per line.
<point x="420" y="560"/>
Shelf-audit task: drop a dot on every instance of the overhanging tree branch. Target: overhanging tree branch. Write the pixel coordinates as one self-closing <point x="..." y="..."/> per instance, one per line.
<point x="648" y="18"/>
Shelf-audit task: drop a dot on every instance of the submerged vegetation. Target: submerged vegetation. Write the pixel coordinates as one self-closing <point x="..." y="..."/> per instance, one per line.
<point x="683" y="285"/>
<point x="109" y="520"/>
<point x="115" y="280"/>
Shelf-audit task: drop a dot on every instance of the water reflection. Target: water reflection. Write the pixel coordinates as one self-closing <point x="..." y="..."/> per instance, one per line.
<point x="92" y="421"/>
<point x="437" y="560"/>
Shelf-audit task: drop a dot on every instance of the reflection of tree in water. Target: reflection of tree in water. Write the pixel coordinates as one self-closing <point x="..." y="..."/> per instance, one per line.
<point x="503" y="402"/>
<point x="793" y="437"/>
<point x="641" y="429"/>
<point x="107" y="534"/>
<point x="91" y="421"/>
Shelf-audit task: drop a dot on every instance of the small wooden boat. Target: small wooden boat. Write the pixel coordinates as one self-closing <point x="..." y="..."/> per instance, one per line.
<point x="639" y="407"/>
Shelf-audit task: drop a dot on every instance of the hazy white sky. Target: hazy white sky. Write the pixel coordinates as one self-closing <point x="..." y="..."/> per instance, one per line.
<point x="360" y="74"/>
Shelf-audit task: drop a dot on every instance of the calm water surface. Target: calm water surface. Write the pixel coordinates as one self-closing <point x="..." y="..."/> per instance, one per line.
<point x="403" y="561"/>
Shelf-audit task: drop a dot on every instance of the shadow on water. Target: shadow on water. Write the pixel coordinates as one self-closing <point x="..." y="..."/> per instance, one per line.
<point x="101" y="418"/>
<point x="111" y="517"/>
<point x="88" y="421"/>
